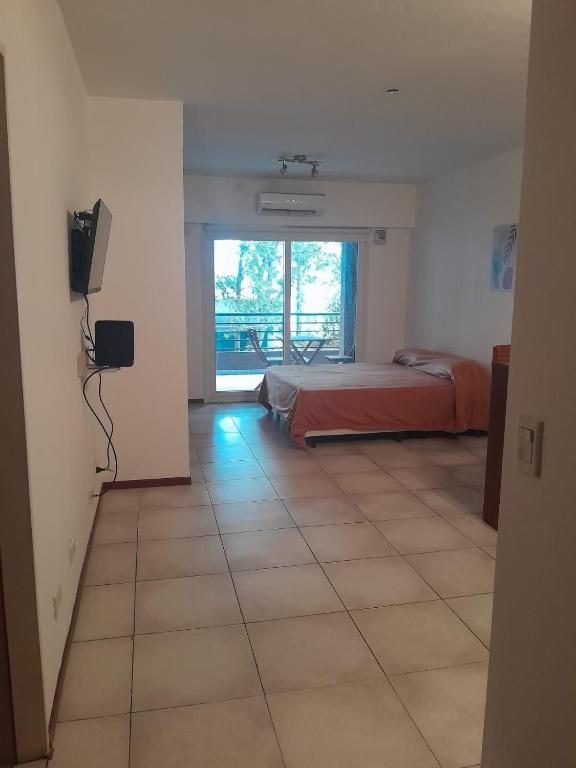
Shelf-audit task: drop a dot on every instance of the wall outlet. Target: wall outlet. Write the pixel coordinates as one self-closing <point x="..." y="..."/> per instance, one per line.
<point x="81" y="364"/>
<point x="72" y="550"/>
<point x="56" y="602"/>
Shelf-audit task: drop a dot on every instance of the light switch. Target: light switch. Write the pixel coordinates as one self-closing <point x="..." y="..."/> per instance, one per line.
<point x="529" y="445"/>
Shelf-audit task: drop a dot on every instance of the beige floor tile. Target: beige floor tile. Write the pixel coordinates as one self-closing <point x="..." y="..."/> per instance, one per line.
<point x="479" y="450"/>
<point x="305" y="486"/>
<point x="324" y="510"/>
<point x="111" y="564"/>
<point x="310" y="651"/>
<point x="250" y="489"/>
<point x="207" y="439"/>
<point x="276" y="450"/>
<point x="165" y="497"/>
<point x="490" y="551"/>
<point x="456" y="573"/>
<point x="376" y="582"/>
<point x="337" y="448"/>
<point x="116" y="527"/>
<point x="290" y="466"/>
<point x="448" y="705"/>
<point x="120" y="501"/>
<point x="266" y="549"/>
<point x="367" y="482"/>
<point x="422" y="534"/>
<point x="106" y="611"/>
<point x="474" y="529"/>
<point x="216" y="424"/>
<point x="476" y="612"/>
<point x="226" y="734"/>
<point x="348" y="726"/>
<point x="410" y="638"/>
<point x="97" y="681"/>
<point x="194" y="666"/>
<point x="389" y="455"/>
<point x="431" y="443"/>
<point x="472" y="475"/>
<point x="92" y="743"/>
<point x="196" y="601"/>
<point x="232" y="470"/>
<point x="424" y="477"/>
<point x="452" y="501"/>
<point x="350" y="541"/>
<point x="196" y="474"/>
<point x="391" y="506"/>
<point x="180" y="557"/>
<point x="451" y="457"/>
<point x="176" y="523"/>
<point x="280" y="593"/>
<point x="336" y="465"/>
<point x="224" y="453"/>
<point x="252" y="516"/>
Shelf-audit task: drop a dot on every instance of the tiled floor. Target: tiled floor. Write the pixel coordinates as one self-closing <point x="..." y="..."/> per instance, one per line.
<point x="318" y="608"/>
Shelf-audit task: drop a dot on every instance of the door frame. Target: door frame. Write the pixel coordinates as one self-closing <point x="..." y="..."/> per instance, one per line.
<point x="22" y="718"/>
<point x="288" y="235"/>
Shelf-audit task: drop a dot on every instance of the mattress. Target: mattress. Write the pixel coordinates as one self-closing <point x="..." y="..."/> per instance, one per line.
<point x="434" y="394"/>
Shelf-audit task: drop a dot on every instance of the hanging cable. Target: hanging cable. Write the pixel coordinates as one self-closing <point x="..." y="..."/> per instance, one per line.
<point x="88" y="336"/>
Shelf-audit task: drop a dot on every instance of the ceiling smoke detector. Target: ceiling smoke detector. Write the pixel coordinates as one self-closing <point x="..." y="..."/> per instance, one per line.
<point x="299" y="159"/>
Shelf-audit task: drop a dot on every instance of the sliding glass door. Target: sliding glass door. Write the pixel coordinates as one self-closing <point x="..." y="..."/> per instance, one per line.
<point x="323" y="281"/>
<point x="248" y="311"/>
<point x="289" y="301"/>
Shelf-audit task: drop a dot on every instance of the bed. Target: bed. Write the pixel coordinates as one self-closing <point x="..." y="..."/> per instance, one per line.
<point x="420" y="391"/>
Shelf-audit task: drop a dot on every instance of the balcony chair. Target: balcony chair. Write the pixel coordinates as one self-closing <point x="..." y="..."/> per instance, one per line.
<point x="274" y="358"/>
<point x="349" y="358"/>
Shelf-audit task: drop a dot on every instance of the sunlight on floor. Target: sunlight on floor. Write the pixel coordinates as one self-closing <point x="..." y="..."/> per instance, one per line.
<point x="244" y="382"/>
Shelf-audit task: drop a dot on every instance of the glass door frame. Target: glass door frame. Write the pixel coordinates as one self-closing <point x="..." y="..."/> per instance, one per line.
<point x="287" y="235"/>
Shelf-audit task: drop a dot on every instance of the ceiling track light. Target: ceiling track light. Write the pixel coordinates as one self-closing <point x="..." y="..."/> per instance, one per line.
<point x="299" y="160"/>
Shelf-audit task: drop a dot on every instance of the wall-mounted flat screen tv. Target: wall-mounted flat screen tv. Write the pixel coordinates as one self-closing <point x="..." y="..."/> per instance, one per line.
<point x="89" y="245"/>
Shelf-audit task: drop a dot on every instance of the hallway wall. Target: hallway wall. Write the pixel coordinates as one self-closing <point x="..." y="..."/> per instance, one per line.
<point x="531" y="703"/>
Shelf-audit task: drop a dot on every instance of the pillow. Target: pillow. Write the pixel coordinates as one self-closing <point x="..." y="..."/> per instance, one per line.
<point x="429" y="361"/>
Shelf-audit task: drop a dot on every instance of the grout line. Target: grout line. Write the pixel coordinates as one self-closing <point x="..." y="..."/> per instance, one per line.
<point x="133" y="634"/>
<point x="252" y="650"/>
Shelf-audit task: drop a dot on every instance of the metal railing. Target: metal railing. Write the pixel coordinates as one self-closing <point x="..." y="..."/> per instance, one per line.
<point x="235" y="350"/>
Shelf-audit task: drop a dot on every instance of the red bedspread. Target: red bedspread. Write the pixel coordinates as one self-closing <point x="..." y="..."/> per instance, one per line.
<point x="423" y="390"/>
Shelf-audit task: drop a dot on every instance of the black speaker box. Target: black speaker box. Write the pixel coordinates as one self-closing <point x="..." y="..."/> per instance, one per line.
<point x="114" y="343"/>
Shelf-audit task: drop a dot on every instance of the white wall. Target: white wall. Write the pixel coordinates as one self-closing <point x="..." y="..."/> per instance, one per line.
<point x="135" y="152"/>
<point x="531" y="708"/>
<point x="231" y="202"/>
<point x="450" y="305"/>
<point x="46" y="119"/>
<point x="66" y="150"/>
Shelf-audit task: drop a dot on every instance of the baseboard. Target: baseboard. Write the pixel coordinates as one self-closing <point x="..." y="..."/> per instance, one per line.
<point x="69" y="638"/>
<point x="145" y="483"/>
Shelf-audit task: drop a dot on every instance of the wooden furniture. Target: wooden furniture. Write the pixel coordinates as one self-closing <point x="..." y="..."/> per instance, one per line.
<point x="498" y="394"/>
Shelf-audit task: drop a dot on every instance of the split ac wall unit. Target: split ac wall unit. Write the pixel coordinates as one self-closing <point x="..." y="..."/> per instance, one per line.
<point x="284" y="204"/>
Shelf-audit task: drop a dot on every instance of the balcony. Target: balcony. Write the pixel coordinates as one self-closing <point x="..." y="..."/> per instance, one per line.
<point x="240" y="366"/>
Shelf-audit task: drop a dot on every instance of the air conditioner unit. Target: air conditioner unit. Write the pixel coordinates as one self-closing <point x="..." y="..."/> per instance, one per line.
<point x="286" y="204"/>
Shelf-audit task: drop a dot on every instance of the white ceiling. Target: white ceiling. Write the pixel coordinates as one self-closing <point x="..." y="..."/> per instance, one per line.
<point x="261" y="77"/>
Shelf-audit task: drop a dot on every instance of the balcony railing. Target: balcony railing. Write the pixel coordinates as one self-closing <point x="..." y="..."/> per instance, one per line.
<point x="235" y="352"/>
